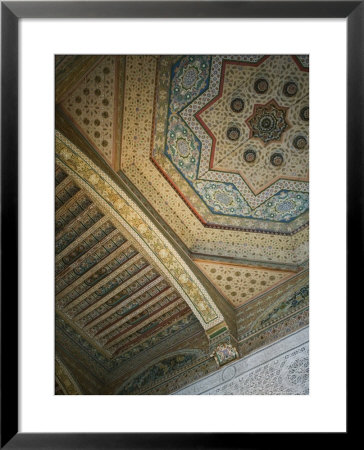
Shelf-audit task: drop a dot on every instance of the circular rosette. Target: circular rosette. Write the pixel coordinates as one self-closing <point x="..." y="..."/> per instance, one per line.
<point x="237" y="105"/>
<point x="261" y="85"/>
<point x="250" y="155"/>
<point x="268" y="122"/>
<point x="304" y="113"/>
<point x="277" y="159"/>
<point x="290" y="89"/>
<point x="300" y="142"/>
<point x="233" y="133"/>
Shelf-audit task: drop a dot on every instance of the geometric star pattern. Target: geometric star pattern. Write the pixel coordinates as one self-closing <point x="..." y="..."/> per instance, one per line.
<point x="218" y="146"/>
<point x="237" y="133"/>
<point x="91" y="105"/>
<point x="240" y="284"/>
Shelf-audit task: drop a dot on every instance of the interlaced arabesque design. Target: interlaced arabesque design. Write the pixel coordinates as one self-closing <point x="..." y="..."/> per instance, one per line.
<point x="237" y="133"/>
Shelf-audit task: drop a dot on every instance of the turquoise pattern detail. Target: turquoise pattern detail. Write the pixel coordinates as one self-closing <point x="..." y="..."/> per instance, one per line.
<point x="190" y="78"/>
<point x="286" y="306"/>
<point x="159" y="370"/>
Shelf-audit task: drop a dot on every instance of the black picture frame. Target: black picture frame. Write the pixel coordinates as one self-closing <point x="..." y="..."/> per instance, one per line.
<point x="11" y="12"/>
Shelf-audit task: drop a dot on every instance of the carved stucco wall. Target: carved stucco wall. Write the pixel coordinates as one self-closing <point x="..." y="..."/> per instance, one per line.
<point x="280" y="368"/>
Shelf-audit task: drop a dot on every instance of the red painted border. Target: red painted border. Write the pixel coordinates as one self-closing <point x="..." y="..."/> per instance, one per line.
<point x="299" y="65"/>
<point x="176" y="189"/>
<point x="215" y="99"/>
<point x="217" y="226"/>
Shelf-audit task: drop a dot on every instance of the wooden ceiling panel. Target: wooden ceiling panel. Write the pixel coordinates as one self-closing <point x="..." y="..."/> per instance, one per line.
<point x="107" y="290"/>
<point x="144" y="124"/>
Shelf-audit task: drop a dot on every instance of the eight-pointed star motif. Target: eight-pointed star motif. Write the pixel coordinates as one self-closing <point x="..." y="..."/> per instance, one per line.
<point x="268" y="122"/>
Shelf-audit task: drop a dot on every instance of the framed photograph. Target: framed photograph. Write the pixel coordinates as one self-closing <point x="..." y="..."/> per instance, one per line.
<point x="167" y="206"/>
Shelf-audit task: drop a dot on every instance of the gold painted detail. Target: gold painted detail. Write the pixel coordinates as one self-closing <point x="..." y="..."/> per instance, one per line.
<point x="217" y="329"/>
<point x="224" y="354"/>
<point x="136" y="165"/>
<point x="137" y="224"/>
<point x="240" y="284"/>
<point x="91" y="106"/>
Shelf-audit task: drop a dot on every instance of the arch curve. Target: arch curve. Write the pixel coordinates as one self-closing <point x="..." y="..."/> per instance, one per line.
<point x="130" y="216"/>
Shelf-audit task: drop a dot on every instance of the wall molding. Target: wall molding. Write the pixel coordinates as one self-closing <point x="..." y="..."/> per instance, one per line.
<point x="279" y="368"/>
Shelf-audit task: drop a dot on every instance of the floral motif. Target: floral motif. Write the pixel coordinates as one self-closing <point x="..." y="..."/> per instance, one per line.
<point x="298" y="371"/>
<point x="237" y="105"/>
<point x="224" y="353"/>
<point x="268" y="122"/>
<point x="156" y="372"/>
<point x="300" y="297"/>
<point x="224" y="144"/>
<point x="189" y="79"/>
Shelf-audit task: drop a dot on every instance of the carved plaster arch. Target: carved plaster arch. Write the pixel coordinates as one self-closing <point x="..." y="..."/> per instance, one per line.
<point x="154" y="243"/>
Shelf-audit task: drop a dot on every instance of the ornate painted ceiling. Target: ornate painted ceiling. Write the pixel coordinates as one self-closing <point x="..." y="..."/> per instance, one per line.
<point x="125" y="295"/>
<point x="235" y="132"/>
<point x="111" y="297"/>
<point x="181" y="214"/>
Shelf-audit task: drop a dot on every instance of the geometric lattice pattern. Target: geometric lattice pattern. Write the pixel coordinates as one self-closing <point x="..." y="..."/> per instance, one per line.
<point x="216" y="146"/>
<point x="237" y="133"/>
<point x="240" y="284"/>
<point x="91" y="106"/>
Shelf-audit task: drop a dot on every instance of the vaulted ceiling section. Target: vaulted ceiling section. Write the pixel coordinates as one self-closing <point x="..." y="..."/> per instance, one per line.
<point x="181" y="215"/>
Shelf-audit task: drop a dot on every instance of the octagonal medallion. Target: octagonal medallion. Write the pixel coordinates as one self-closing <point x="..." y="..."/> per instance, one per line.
<point x="268" y="122"/>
